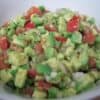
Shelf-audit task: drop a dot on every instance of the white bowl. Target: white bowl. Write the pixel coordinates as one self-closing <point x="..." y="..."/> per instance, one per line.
<point x="10" y="8"/>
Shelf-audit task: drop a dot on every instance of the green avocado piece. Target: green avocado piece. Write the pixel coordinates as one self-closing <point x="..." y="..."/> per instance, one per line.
<point x="17" y="58"/>
<point x="43" y="69"/>
<point x="84" y="83"/>
<point x="20" y="78"/>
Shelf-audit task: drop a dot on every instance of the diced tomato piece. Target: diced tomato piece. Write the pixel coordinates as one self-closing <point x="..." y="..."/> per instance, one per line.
<point x="89" y="38"/>
<point x="4" y="43"/>
<point x="92" y="62"/>
<point x="3" y="65"/>
<point x="28" y="91"/>
<point x="61" y="39"/>
<point x="29" y="25"/>
<point x="50" y="28"/>
<point x="39" y="48"/>
<point x="43" y="85"/>
<point x="33" y="10"/>
<point x="32" y="73"/>
<point x="73" y="24"/>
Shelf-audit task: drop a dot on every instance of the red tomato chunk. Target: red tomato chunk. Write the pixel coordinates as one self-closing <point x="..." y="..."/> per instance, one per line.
<point x="61" y="39"/>
<point x="32" y="73"/>
<point x="29" y="25"/>
<point x="73" y="24"/>
<point x="38" y="48"/>
<point x="44" y="85"/>
<point x="89" y="38"/>
<point x="4" y="43"/>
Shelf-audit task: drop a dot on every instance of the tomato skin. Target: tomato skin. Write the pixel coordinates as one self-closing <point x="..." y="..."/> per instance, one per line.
<point x="61" y="39"/>
<point x="73" y="24"/>
<point x="43" y="85"/>
<point x="50" y="28"/>
<point x="92" y="62"/>
<point x="4" y="43"/>
<point x="3" y="65"/>
<point x="89" y="38"/>
<point x="38" y="48"/>
<point x="32" y="73"/>
<point x="33" y="10"/>
<point x="29" y="25"/>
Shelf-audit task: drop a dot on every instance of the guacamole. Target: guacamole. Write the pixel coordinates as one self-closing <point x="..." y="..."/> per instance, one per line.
<point x="46" y="54"/>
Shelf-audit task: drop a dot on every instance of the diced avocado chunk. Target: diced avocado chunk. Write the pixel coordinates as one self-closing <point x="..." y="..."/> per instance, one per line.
<point x="13" y="71"/>
<point x="51" y="39"/>
<point x="68" y="44"/>
<point x="60" y="56"/>
<point x="98" y="64"/>
<point x="61" y="25"/>
<point x="54" y="63"/>
<point x="76" y="38"/>
<point x="49" y="52"/>
<point x="98" y="39"/>
<point x="49" y="18"/>
<point x="68" y="16"/>
<point x="84" y="83"/>
<point x="69" y="92"/>
<point x="19" y="40"/>
<point x="29" y="51"/>
<point x="55" y="79"/>
<point x="10" y="33"/>
<point x="69" y="51"/>
<point x="25" y="66"/>
<point x="42" y="8"/>
<point x="17" y="58"/>
<point x="3" y="31"/>
<point x="44" y="69"/>
<point x="32" y="36"/>
<point x="80" y="60"/>
<point x="90" y="20"/>
<point x="12" y="25"/>
<point x="52" y="92"/>
<point x="68" y="65"/>
<point x="84" y="58"/>
<point x="5" y="76"/>
<point x="67" y="81"/>
<point x="75" y="63"/>
<point x="19" y="21"/>
<point x="95" y="74"/>
<point x="20" y="78"/>
<point x="36" y="19"/>
<point x="39" y="94"/>
<point x="41" y="29"/>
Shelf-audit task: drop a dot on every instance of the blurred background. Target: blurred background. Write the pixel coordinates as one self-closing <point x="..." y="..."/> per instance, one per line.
<point x="11" y="8"/>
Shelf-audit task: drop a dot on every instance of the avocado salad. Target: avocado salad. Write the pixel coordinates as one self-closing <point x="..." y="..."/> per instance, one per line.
<point x="46" y="54"/>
